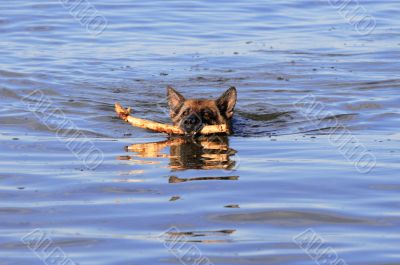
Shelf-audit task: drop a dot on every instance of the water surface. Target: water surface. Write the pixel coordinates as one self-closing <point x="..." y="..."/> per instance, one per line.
<point x="238" y="200"/>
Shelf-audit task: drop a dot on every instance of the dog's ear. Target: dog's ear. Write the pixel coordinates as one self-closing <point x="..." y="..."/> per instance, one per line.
<point x="175" y="100"/>
<point x="226" y="103"/>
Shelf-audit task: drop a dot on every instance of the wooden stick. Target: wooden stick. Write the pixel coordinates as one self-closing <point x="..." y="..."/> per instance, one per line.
<point x="124" y="114"/>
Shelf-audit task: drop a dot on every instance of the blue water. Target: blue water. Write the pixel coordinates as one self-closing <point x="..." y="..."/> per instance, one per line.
<point x="242" y="200"/>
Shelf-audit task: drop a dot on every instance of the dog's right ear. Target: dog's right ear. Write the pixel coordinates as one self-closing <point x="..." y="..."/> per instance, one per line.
<point x="226" y="103"/>
<point x="175" y="100"/>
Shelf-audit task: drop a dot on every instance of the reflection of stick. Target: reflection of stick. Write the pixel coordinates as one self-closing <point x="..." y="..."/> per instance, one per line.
<point x="124" y="114"/>
<point x="153" y="150"/>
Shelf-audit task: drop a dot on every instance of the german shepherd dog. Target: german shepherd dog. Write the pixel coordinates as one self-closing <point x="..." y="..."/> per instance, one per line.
<point x="192" y="114"/>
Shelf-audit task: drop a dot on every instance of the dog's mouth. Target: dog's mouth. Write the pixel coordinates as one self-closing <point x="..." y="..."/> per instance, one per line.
<point x="192" y="129"/>
<point x="192" y="124"/>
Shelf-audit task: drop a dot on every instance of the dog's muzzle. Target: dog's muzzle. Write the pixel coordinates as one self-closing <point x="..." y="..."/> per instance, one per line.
<point x="192" y="124"/>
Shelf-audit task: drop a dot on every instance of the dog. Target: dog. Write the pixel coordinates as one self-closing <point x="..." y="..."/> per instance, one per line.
<point x="191" y="115"/>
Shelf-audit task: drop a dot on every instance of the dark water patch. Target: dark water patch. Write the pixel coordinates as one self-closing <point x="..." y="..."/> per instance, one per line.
<point x="127" y="190"/>
<point x="15" y="210"/>
<point x="38" y="28"/>
<point x="315" y="54"/>
<point x="291" y="218"/>
<point x="8" y="93"/>
<point x="5" y="73"/>
<point x="262" y="117"/>
<point x="375" y="85"/>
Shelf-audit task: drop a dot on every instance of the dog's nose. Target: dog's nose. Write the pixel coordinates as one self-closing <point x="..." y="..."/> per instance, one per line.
<point x="192" y="123"/>
<point x="192" y="120"/>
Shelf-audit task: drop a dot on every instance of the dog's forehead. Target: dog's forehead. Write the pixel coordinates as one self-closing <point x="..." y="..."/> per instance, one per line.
<point x="198" y="104"/>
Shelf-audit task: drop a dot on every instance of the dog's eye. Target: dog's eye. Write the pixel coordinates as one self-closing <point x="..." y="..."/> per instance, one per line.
<point x="207" y="114"/>
<point x="186" y="112"/>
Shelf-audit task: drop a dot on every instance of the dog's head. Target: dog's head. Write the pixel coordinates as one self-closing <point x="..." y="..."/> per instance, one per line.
<point x="192" y="114"/>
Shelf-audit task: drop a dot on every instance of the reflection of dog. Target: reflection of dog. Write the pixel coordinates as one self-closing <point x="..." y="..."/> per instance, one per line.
<point x="187" y="153"/>
<point x="202" y="153"/>
<point x="192" y="114"/>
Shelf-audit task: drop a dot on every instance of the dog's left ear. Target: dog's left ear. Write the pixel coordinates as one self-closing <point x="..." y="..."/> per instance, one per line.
<point x="175" y="101"/>
<point x="226" y="103"/>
